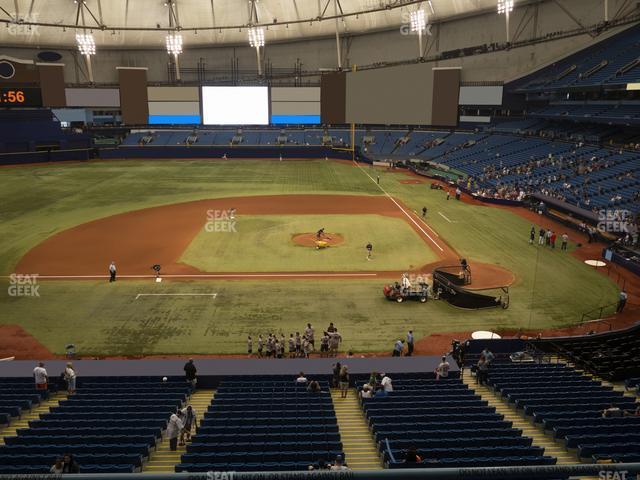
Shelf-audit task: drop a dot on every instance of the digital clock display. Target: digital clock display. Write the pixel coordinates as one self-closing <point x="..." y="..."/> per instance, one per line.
<point x="20" y="97"/>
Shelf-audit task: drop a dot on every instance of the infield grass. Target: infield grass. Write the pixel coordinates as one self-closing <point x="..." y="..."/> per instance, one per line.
<point x="263" y="243"/>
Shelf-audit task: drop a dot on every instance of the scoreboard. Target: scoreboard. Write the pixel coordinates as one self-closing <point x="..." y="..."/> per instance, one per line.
<point x="20" y="97"/>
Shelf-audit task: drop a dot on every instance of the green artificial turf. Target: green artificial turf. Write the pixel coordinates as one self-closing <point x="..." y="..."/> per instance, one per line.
<point x="263" y="243"/>
<point x="552" y="288"/>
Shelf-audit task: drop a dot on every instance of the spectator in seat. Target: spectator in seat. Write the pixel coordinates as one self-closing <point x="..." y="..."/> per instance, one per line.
<point x="488" y="356"/>
<point x="335" y="378"/>
<point x="174" y="428"/>
<point x="56" y="468"/>
<point x="442" y="370"/>
<point x="366" y="392"/>
<point x="482" y="371"/>
<point x="373" y="380"/>
<point x="314" y="387"/>
<point x="69" y="465"/>
<point x="40" y="376"/>
<point x="190" y="372"/>
<point x="339" y="464"/>
<point x="70" y="377"/>
<point x="386" y="383"/>
<point x="301" y="378"/>
<point x="189" y="421"/>
<point x="611" y="412"/>
<point x="632" y="413"/>
<point x="411" y="456"/>
<point x="344" y="381"/>
<point x="381" y="393"/>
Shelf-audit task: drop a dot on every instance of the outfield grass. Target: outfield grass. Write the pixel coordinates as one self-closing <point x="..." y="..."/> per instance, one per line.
<point x="552" y="288"/>
<point x="263" y="243"/>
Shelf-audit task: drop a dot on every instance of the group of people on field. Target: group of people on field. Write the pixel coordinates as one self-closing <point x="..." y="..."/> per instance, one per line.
<point x="297" y="345"/>
<point x="548" y="237"/>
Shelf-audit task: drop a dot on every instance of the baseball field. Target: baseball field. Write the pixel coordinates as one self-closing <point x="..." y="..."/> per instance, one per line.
<point x="234" y="239"/>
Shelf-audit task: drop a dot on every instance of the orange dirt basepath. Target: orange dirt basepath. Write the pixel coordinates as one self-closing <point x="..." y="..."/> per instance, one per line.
<point x="15" y="341"/>
<point x="310" y="239"/>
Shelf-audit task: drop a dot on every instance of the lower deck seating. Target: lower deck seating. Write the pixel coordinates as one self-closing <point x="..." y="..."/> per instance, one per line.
<point x="264" y="426"/>
<point x="109" y="426"/>
<point x="448" y="425"/>
<point x="572" y="406"/>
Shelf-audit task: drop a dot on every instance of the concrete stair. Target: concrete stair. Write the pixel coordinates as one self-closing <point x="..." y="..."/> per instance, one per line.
<point x="359" y="447"/>
<point x="162" y="459"/>
<point x="33" y="414"/>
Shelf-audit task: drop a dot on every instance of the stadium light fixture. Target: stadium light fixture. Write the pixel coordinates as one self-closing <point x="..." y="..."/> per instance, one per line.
<point x="256" y="37"/>
<point x="505" y="6"/>
<point x="418" y="21"/>
<point x="174" y="44"/>
<point x="86" y="44"/>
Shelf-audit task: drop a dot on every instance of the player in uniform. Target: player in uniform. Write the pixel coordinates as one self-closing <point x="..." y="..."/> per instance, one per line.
<point x="369" y="248"/>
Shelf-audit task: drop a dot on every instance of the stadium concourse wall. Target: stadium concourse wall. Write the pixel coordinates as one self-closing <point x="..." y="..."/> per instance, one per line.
<point x="21" y="158"/>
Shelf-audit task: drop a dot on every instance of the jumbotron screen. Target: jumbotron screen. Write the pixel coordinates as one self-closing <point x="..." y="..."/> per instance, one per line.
<point x="235" y="105"/>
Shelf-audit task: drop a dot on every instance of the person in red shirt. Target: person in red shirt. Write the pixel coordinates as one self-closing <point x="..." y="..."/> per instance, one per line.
<point x="553" y="239"/>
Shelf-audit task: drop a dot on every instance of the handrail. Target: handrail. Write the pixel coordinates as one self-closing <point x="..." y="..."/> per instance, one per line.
<point x="597" y="309"/>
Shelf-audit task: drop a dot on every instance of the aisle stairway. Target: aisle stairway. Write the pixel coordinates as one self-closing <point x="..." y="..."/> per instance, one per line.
<point x="163" y="460"/>
<point x="33" y="414"/>
<point x="540" y="439"/>
<point x="359" y="448"/>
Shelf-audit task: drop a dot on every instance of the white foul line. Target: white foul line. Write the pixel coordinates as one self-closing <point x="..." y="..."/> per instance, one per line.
<point x="212" y="295"/>
<point x="216" y="275"/>
<point x="443" y="216"/>
<point x="400" y="207"/>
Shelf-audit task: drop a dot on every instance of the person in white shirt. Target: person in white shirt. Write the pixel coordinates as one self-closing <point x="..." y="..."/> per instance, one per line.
<point x="366" y="392"/>
<point x="386" y="383"/>
<point x="301" y="378"/>
<point x="70" y="378"/>
<point x="174" y="428"/>
<point x="112" y="272"/>
<point x="442" y="370"/>
<point x="339" y="464"/>
<point x="40" y="376"/>
<point x="409" y="343"/>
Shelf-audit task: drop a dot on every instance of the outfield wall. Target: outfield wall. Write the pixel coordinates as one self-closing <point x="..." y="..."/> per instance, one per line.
<point x="217" y="152"/>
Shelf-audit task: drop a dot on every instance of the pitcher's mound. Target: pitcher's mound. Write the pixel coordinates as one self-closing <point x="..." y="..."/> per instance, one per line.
<point x="309" y="239"/>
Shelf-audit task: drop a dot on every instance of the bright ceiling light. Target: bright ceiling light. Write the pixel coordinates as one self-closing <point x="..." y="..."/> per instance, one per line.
<point x="86" y="43"/>
<point x="505" y="6"/>
<point x="174" y="44"/>
<point x="256" y="37"/>
<point x="418" y="21"/>
<point x="431" y="6"/>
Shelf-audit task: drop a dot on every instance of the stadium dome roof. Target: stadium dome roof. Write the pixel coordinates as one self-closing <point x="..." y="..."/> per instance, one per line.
<point x="144" y="23"/>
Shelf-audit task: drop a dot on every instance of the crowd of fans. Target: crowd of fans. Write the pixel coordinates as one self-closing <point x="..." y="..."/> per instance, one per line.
<point x="297" y="345"/>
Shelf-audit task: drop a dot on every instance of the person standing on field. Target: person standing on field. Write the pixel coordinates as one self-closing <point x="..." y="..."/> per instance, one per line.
<point x="541" y="236"/>
<point x="409" y="344"/>
<point x="112" y="272"/>
<point x="424" y="212"/>
<point x="532" y="235"/>
<point x="369" y="248"/>
<point x="565" y="241"/>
